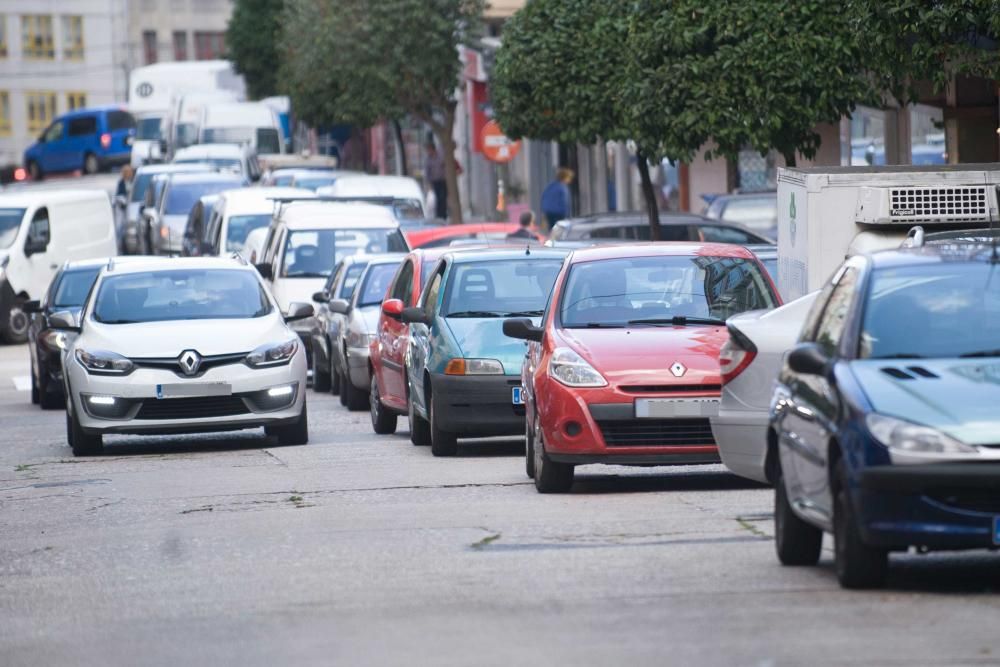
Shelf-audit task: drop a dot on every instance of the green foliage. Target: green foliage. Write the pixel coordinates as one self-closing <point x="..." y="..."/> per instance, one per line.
<point x="251" y="42"/>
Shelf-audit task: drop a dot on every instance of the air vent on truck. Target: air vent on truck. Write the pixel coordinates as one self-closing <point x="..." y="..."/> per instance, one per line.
<point x="926" y="205"/>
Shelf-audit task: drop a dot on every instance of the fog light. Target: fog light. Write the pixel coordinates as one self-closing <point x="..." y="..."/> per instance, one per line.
<point x="275" y="392"/>
<point x="107" y="407"/>
<point x="573" y="429"/>
<point x="101" y="400"/>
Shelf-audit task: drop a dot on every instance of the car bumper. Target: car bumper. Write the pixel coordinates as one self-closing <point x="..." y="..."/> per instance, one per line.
<point x="138" y="410"/>
<point x="358" y="368"/>
<point x="937" y="506"/>
<point x="477" y="406"/>
<point x="741" y="436"/>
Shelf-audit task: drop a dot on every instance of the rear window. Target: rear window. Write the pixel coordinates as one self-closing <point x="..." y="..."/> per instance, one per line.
<point x="239" y="229"/>
<point x="82" y="126"/>
<point x="181" y="198"/>
<point x="120" y="120"/>
<point x="268" y="140"/>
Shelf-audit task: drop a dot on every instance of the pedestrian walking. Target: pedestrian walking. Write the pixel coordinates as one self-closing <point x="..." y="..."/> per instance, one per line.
<point x="127" y="174"/>
<point x="527" y="221"/>
<point x="434" y="175"/>
<point x="556" y="198"/>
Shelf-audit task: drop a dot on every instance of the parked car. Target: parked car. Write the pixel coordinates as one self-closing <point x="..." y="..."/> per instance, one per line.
<point x="88" y="140"/>
<point x="625" y="367"/>
<point x="406" y="190"/>
<point x="39" y="231"/>
<point x="240" y="212"/>
<point x="768" y="256"/>
<point x="253" y="124"/>
<point x="182" y="345"/>
<point x="66" y="293"/>
<point x="632" y="227"/>
<point x="309" y="179"/>
<point x="884" y="417"/>
<point x="757" y="211"/>
<point x="279" y="168"/>
<point x="163" y="226"/>
<point x="749" y="363"/>
<point x="358" y="330"/>
<point x="136" y="198"/>
<point x="478" y="233"/>
<point x="194" y="243"/>
<point x="463" y="373"/>
<point x="223" y="157"/>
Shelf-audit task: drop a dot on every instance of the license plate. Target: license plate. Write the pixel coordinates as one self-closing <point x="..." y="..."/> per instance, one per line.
<point x="517" y="396"/>
<point x="667" y="408"/>
<point x="194" y="389"/>
<point x="996" y="530"/>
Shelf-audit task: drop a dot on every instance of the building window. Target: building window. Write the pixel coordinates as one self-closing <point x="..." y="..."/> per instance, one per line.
<point x="149" y="46"/>
<point x="72" y="36"/>
<point x="209" y="45"/>
<point x="180" y="45"/>
<point x="4" y="113"/>
<point x="41" y="110"/>
<point x="75" y="101"/>
<point x="3" y="36"/>
<point x="36" y="37"/>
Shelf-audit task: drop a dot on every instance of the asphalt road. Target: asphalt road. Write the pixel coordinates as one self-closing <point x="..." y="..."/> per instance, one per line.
<point x="359" y="549"/>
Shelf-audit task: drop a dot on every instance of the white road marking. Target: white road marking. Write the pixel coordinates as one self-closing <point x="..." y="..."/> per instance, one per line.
<point x="22" y="382"/>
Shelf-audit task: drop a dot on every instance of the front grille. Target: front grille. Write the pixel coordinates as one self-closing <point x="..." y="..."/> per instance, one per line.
<point x="171" y="363"/>
<point x="198" y="407"/>
<point x="972" y="500"/>
<point x="670" y="388"/>
<point x="923" y="204"/>
<point x="656" y="432"/>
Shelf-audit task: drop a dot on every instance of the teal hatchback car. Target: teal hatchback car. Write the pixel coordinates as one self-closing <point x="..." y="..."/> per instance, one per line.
<point x="464" y="374"/>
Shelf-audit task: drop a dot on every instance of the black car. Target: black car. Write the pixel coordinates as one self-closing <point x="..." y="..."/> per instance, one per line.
<point x="634" y="227"/>
<point x="67" y="292"/>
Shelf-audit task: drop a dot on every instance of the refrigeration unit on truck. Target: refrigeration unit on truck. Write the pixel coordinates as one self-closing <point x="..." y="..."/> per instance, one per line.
<point x="828" y="213"/>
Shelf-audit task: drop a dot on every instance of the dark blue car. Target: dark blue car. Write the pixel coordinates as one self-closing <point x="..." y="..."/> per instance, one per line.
<point x="88" y="140"/>
<point x="885" y="427"/>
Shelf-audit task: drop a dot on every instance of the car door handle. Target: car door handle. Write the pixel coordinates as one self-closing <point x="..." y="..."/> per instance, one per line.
<point x="805" y="413"/>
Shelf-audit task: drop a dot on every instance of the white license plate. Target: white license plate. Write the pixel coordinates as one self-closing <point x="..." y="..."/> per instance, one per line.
<point x="194" y="389"/>
<point x="517" y="396"/>
<point x="667" y="408"/>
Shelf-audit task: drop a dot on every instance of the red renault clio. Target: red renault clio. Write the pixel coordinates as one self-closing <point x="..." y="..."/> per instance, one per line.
<point x="624" y="368"/>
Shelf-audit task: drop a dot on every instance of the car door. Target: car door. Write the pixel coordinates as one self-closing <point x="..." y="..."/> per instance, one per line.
<point x="80" y="140"/>
<point x="418" y="345"/>
<point x="392" y="337"/>
<point x="54" y="156"/>
<point x="813" y="405"/>
<point x="42" y="264"/>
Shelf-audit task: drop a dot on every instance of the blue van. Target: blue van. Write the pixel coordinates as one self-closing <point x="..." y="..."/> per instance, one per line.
<point x="88" y="140"/>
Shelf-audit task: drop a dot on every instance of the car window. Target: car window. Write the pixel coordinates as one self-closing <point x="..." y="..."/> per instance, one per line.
<point x="838" y="307"/>
<point x="268" y="140"/>
<point x="430" y="296"/>
<point x="314" y="252"/>
<point x="402" y="288"/>
<point x="10" y="224"/>
<point x="73" y="287"/>
<point x="120" y="120"/>
<point x="55" y="131"/>
<point x="139" y="186"/>
<point x="82" y="126"/>
<point x="239" y="228"/>
<point x="720" y="234"/>
<point x="181" y="197"/>
<point x="148" y="129"/>
<point x="39" y="230"/>
<point x="334" y="277"/>
<point x="500" y="288"/>
<point x="613" y="232"/>
<point x="375" y="284"/>
<point x="351" y="275"/>
<point x="752" y="212"/>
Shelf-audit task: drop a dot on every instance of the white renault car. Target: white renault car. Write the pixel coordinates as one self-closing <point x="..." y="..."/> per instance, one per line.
<point x="183" y="345"/>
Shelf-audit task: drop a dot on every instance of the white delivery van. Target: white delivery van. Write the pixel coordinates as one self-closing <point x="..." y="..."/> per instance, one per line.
<point x="252" y="123"/>
<point x="183" y="124"/>
<point x="407" y="190"/>
<point x="828" y="213"/>
<point x="38" y="232"/>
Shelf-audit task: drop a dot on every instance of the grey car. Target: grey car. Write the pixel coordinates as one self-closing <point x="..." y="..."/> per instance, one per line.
<point x="135" y="201"/>
<point x="327" y="359"/>
<point x="634" y="227"/>
<point x="162" y="229"/>
<point x="757" y="211"/>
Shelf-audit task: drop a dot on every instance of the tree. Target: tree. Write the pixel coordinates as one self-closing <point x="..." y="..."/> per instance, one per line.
<point x="356" y="61"/>
<point x="251" y="42"/>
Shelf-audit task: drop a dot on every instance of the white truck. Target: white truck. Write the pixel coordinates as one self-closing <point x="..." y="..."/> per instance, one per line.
<point x="828" y="213"/>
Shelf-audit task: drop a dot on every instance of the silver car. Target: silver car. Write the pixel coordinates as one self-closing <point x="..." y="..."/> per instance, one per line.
<point x="136" y="201"/>
<point x="164" y="223"/>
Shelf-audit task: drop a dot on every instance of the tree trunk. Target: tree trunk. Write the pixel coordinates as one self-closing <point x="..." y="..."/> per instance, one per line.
<point x="790" y="159"/>
<point x="443" y="132"/>
<point x="649" y="194"/>
<point x="397" y="130"/>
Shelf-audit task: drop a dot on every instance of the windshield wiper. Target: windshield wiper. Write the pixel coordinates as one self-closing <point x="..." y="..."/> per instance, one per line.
<point x="475" y="313"/>
<point x="981" y="353"/>
<point x="678" y="320"/>
<point x="524" y="313"/>
<point x="307" y="274"/>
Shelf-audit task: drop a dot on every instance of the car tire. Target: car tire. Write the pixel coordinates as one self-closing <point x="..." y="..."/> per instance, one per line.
<point x="90" y="164"/>
<point x="334" y="377"/>
<point x="384" y="420"/>
<point x="35" y="171"/>
<point x="48" y="399"/>
<point x="795" y="541"/>
<point x="351" y="397"/>
<point x="321" y="378"/>
<point x="35" y="396"/>
<point x="529" y="449"/>
<point x="82" y="443"/>
<point x="443" y="443"/>
<point x="420" y="430"/>
<point x="857" y="564"/>
<point x="296" y="433"/>
<point x="15" y="330"/>
<point x="550" y="476"/>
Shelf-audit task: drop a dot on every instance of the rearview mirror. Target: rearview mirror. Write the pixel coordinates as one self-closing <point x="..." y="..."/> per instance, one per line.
<point x="340" y="306"/>
<point x="264" y="270"/>
<point x="522" y="329"/>
<point x="414" y="316"/>
<point x="392" y="308"/>
<point x="298" y="311"/>
<point x="320" y="297"/>
<point x="63" y="321"/>
<point x="33" y="306"/>
<point x="808" y="359"/>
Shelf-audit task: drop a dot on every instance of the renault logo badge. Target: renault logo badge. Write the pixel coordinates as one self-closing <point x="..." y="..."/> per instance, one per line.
<point x="190" y="362"/>
<point x="678" y="369"/>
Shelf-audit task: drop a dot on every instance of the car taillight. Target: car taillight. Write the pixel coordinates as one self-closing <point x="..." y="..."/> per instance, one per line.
<point x="105" y="140"/>
<point x="734" y="357"/>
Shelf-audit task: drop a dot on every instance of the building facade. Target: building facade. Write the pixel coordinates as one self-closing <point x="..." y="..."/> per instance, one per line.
<point x="170" y="30"/>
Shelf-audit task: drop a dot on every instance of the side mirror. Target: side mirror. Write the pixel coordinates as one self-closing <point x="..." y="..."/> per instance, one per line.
<point x="33" y="306"/>
<point x="392" y="308"/>
<point x="340" y="306"/>
<point x="808" y="359"/>
<point x="63" y="321"/>
<point x="414" y="315"/>
<point x="299" y="311"/>
<point x="523" y="329"/>
<point x="264" y="270"/>
<point x="320" y="297"/>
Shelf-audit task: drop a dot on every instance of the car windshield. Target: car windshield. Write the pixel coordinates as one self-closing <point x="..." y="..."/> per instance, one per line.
<point x="955" y="307"/>
<point x="313" y="253"/>
<point x="229" y="135"/>
<point x="10" y="222"/>
<point x="73" y="286"/>
<point x="508" y="288"/>
<point x="351" y="276"/>
<point x="182" y="197"/>
<point x="376" y="282"/>
<point x="656" y="290"/>
<point x="239" y="228"/>
<point x="148" y="129"/>
<point x="180" y="294"/>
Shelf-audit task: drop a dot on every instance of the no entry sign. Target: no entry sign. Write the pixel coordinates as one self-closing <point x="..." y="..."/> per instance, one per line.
<point x="497" y="146"/>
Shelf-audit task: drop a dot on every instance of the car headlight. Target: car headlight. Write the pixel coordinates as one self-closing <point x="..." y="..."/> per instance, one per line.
<point x="272" y="354"/>
<point x="473" y="367"/>
<point x="104" y="362"/>
<point x="357" y="339"/>
<point x="55" y="340"/>
<point x="572" y="370"/>
<point x="906" y="438"/>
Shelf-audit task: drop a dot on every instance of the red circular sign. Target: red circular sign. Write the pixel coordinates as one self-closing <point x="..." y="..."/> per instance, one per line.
<point x="497" y="146"/>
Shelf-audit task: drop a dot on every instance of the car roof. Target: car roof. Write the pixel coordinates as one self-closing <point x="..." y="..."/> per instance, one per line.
<point x="633" y="217"/>
<point x="139" y="265"/>
<point x="258" y="199"/>
<point x="467" y="255"/>
<point x="320" y="215"/>
<point x="211" y="150"/>
<point x="95" y="109"/>
<point x="189" y="167"/>
<point x="206" y="177"/>
<point x="659" y="249"/>
<point x="27" y="197"/>
<point x="932" y="254"/>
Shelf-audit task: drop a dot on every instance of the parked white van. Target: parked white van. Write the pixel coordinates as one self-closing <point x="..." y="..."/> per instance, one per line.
<point x="238" y="213"/>
<point x="407" y="190"/>
<point x="251" y="123"/>
<point x="38" y="232"/>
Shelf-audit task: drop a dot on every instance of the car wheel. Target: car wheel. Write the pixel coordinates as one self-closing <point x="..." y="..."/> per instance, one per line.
<point x="529" y="449"/>
<point x="550" y="476"/>
<point x="90" y="164"/>
<point x="796" y="542"/>
<point x="858" y="565"/>
<point x="442" y="442"/>
<point x="296" y="433"/>
<point x="420" y="430"/>
<point x="34" y="387"/>
<point x="334" y="378"/>
<point x="35" y="171"/>
<point x="82" y="444"/>
<point x="353" y="398"/>
<point x="383" y="419"/>
<point x="49" y="399"/>
<point x="15" y="329"/>
<point x="321" y="378"/>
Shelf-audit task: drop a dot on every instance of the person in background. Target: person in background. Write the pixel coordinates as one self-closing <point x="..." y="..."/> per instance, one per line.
<point x="434" y="175"/>
<point x="120" y="205"/>
<point x="127" y="174"/>
<point x="527" y="220"/>
<point x="556" y="197"/>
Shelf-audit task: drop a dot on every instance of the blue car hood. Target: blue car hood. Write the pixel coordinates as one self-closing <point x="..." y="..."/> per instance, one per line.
<point x="957" y="396"/>
<point x="484" y="339"/>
